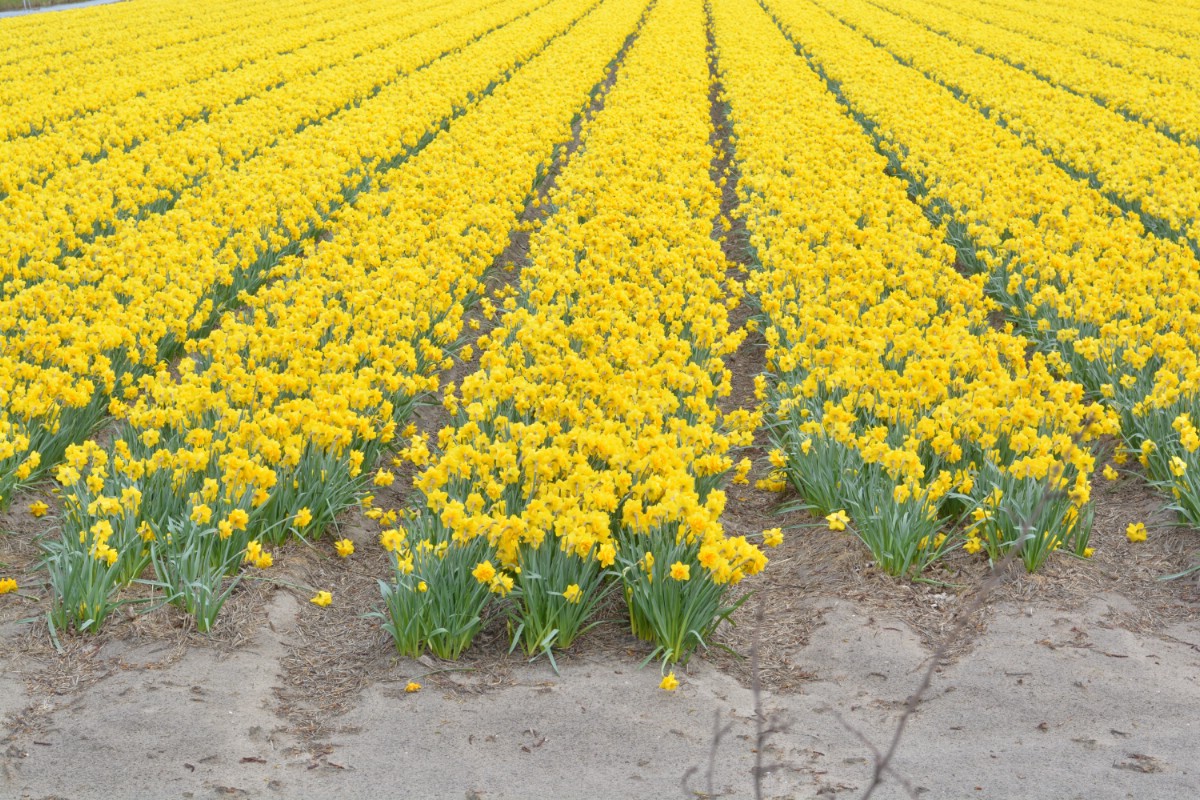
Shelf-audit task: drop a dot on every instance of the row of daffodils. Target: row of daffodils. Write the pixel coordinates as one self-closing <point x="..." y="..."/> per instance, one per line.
<point x="1112" y="306"/>
<point x="1145" y="170"/>
<point x="193" y="87"/>
<point x="82" y="63"/>
<point x="81" y="337"/>
<point x="891" y="397"/>
<point x="1168" y="101"/>
<point x="1113" y="24"/>
<point x="95" y="176"/>
<point x="1141" y="50"/>
<point x="585" y="454"/>
<point x="270" y="423"/>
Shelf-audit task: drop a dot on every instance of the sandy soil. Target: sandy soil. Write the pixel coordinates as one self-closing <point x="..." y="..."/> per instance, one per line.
<point x="1080" y="682"/>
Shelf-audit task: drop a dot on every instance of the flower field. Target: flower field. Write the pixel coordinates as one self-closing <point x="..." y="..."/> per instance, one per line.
<point x="257" y="273"/>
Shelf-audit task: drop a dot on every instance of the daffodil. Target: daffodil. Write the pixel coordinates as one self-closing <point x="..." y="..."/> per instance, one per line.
<point x="484" y="572"/>
<point x="838" y="520"/>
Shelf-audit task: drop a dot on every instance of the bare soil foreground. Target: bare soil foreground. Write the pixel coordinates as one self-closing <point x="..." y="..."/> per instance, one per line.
<point x="1080" y="682"/>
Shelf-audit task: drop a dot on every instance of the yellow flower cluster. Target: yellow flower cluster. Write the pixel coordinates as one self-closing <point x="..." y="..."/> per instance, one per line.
<point x="490" y="135"/>
<point x="1129" y="24"/>
<point x="1115" y="307"/>
<point x="17" y="459"/>
<point x="1093" y="31"/>
<point x="594" y="408"/>
<point x="1147" y="170"/>
<point x="1166" y="101"/>
<point x="191" y="111"/>
<point x="879" y="346"/>
<point x="331" y="355"/>
<point x="113" y="312"/>
<point x="78" y="57"/>
<point x="287" y="402"/>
